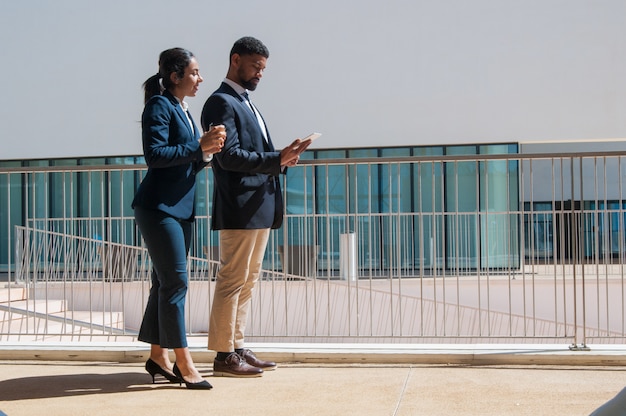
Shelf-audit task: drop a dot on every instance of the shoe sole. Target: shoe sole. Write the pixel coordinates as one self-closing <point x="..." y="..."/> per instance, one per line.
<point x="226" y="374"/>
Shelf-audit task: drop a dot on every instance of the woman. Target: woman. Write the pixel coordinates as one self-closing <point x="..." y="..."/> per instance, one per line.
<point x="174" y="151"/>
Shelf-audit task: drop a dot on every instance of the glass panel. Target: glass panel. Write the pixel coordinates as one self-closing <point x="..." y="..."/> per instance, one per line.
<point x="365" y="181"/>
<point x="495" y="222"/>
<point x="462" y="217"/>
<point x="330" y="181"/>
<point x="63" y="202"/>
<point x="11" y="197"/>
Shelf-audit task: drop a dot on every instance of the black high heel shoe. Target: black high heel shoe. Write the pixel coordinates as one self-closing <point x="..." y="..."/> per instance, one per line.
<point x="200" y="385"/>
<point x="153" y="368"/>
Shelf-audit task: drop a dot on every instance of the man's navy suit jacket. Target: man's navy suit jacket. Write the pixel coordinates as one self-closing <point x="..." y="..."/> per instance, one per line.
<point x="173" y="155"/>
<point x="247" y="192"/>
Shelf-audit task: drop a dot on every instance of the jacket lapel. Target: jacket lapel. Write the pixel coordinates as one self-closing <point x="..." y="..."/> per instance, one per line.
<point x="181" y="114"/>
<point x="227" y="89"/>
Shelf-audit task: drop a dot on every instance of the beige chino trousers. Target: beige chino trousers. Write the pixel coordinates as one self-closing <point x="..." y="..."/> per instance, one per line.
<point x="241" y="258"/>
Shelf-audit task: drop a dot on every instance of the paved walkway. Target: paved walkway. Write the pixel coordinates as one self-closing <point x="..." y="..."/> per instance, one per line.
<point x="80" y="388"/>
<point x="44" y="386"/>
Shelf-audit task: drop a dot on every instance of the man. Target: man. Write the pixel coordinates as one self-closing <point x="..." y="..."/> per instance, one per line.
<point x="247" y="203"/>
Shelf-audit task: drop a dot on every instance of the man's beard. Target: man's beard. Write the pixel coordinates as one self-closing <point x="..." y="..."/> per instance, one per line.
<point x="249" y="85"/>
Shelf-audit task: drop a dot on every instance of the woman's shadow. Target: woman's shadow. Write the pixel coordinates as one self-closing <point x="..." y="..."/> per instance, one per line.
<point x="67" y="385"/>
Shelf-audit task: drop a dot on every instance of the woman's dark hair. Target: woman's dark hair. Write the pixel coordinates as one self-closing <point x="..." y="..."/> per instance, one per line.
<point x="170" y="60"/>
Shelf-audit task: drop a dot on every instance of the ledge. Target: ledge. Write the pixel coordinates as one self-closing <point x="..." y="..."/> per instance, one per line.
<point x="337" y="354"/>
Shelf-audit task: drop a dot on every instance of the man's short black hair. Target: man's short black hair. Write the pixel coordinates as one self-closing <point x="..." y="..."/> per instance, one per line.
<point x="250" y="46"/>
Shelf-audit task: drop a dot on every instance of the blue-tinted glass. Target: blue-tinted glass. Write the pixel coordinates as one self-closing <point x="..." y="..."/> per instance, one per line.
<point x="363" y="153"/>
<point x="461" y="150"/>
<point x="10" y="163"/>
<point x="92" y="161"/>
<point x="428" y="151"/>
<point x="395" y="191"/>
<point x="11" y="197"/>
<point x="331" y="184"/>
<point x="36" y="163"/>
<point x="497" y="149"/>
<point x="461" y="205"/>
<point x="298" y="190"/>
<point x="395" y="152"/>
<point x="123" y="160"/>
<point x="331" y="154"/>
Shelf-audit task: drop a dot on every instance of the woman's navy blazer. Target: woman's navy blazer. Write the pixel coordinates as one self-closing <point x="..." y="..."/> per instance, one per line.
<point x="173" y="155"/>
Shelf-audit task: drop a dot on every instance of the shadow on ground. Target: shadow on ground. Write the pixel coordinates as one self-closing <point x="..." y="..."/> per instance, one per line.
<point x="78" y="385"/>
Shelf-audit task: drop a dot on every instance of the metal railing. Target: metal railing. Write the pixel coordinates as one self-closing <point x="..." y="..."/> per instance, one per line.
<point x="447" y="249"/>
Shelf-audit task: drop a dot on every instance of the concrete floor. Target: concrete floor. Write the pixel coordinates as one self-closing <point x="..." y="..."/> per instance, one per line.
<point x="95" y="388"/>
<point x="73" y="382"/>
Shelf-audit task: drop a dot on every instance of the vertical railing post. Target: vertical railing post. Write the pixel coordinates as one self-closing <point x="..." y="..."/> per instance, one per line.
<point x="575" y="233"/>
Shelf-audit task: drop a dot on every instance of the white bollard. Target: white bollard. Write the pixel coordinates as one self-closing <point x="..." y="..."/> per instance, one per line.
<point x="347" y="256"/>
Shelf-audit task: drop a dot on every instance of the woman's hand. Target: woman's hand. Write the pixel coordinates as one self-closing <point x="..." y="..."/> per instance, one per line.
<point x="212" y="141"/>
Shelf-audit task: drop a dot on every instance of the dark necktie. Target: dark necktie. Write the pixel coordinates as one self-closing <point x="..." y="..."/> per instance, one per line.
<point x="256" y="115"/>
<point x="247" y="98"/>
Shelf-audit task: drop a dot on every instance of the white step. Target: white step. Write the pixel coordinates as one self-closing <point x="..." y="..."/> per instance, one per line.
<point x="12" y="294"/>
<point x="36" y="306"/>
<point x="113" y="320"/>
<point x="16" y="322"/>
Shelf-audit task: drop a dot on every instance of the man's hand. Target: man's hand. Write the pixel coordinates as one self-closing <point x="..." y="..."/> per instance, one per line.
<point x="290" y="155"/>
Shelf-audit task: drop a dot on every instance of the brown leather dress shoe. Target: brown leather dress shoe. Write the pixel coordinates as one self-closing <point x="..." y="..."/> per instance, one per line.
<point x="235" y="366"/>
<point x="253" y="360"/>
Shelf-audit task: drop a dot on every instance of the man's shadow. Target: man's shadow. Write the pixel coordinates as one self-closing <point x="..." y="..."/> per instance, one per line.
<point x="68" y="385"/>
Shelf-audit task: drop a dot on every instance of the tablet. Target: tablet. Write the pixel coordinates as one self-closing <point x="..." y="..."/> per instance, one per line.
<point x="312" y="136"/>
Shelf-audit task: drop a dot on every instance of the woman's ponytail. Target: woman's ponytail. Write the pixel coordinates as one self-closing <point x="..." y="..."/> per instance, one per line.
<point x="152" y="87"/>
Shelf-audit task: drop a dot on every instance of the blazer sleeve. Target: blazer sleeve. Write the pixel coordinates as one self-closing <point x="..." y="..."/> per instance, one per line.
<point x="166" y="140"/>
<point x="240" y="152"/>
